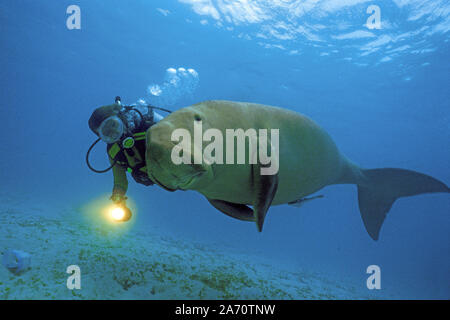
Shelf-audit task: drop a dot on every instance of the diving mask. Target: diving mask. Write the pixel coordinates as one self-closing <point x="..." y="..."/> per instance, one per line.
<point x="111" y="129"/>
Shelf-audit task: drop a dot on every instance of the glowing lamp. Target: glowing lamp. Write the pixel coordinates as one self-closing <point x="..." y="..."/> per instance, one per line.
<point x="120" y="214"/>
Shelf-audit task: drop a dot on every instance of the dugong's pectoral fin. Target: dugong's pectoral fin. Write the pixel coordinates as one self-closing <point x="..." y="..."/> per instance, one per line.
<point x="264" y="190"/>
<point x="234" y="210"/>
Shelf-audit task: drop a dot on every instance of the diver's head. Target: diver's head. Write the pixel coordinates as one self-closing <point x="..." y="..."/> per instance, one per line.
<point x="115" y="122"/>
<point x="108" y="126"/>
<point x="100" y="121"/>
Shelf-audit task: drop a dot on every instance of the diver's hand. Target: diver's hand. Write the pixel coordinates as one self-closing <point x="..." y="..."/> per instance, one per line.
<point x="118" y="198"/>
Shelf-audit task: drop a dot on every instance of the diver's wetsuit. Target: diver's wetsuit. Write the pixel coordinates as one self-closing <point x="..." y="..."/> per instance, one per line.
<point x="132" y="159"/>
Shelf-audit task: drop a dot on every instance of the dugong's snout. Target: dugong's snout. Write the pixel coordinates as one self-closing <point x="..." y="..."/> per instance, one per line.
<point x="161" y="165"/>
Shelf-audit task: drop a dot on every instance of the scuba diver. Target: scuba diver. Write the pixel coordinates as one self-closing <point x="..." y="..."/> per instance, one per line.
<point x="123" y="129"/>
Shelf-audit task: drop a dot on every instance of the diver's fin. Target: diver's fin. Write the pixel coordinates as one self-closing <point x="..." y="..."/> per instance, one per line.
<point x="264" y="188"/>
<point x="383" y="186"/>
<point x="300" y="202"/>
<point x="234" y="210"/>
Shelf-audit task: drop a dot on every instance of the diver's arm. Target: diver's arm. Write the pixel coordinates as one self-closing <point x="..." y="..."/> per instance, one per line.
<point x="120" y="183"/>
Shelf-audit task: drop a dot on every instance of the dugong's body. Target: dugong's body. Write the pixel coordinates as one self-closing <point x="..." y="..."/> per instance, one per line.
<point x="308" y="161"/>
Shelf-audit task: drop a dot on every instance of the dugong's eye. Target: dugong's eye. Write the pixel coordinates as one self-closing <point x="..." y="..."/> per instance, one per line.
<point x="197" y="118"/>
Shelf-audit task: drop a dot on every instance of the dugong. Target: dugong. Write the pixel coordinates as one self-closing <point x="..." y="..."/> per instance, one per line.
<point x="308" y="160"/>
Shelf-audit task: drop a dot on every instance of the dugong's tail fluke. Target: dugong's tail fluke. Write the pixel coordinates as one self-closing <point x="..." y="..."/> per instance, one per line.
<point x="384" y="186"/>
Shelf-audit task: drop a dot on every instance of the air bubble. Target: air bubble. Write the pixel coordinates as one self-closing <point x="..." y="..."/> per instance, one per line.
<point x="178" y="83"/>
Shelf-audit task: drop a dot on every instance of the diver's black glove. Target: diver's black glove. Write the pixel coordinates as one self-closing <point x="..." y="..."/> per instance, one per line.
<point x="118" y="198"/>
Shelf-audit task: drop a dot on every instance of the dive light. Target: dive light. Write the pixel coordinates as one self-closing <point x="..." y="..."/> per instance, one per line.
<point x="120" y="213"/>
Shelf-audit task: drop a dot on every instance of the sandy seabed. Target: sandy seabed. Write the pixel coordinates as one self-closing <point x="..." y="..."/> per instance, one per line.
<point x="135" y="264"/>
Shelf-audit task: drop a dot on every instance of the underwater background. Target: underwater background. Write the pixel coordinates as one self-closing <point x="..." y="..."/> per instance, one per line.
<point x="381" y="93"/>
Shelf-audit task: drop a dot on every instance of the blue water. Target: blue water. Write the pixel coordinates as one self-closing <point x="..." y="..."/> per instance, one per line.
<point x="382" y="94"/>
